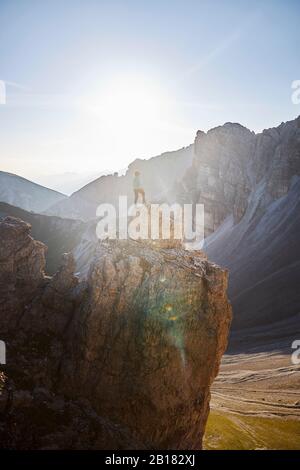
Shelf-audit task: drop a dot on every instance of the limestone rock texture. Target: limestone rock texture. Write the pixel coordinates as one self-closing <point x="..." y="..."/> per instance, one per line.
<point x="120" y="359"/>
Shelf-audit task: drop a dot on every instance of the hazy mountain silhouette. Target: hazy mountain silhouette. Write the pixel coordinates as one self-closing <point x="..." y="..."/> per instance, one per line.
<point x="250" y="187"/>
<point x="23" y="193"/>
<point x="158" y="175"/>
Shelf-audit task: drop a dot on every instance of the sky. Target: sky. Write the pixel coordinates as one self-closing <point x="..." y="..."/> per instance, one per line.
<point x="91" y="85"/>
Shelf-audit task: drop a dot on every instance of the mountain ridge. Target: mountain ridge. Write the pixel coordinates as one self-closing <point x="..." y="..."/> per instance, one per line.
<point x="249" y="186"/>
<point x="159" y="174"/>
<point x="21" y="192"/>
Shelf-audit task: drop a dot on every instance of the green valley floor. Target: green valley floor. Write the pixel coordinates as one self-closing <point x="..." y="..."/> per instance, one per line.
<point x="255" y="400"/>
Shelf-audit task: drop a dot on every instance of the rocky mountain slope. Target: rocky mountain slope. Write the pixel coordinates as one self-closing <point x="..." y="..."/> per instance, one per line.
<point x="122" y="359"/>
<point x="59" y="235"/>
<point x="23" y="193"/>
<point x="249" y="185"/>
<point x="158" y="175"/>
<point x="233" y="166"/>
<point x="262" y="253"/>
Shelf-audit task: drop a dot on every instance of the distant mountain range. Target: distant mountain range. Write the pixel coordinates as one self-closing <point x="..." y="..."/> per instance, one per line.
<point x="23" y="193"/>
<point x="69" y="182"/>
<point x="158" y="175"/>
<point x="250" y="187"/>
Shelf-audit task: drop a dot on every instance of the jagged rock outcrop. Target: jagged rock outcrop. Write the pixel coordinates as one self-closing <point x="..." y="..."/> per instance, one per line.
<point x="231" y="163"/>
<point x="121" y="359"/>
<point x="218" y="177"/>
<point x="155" y="324"/>
<point x="22" y="264"/>
<point x="249" y="185"/>
<point x="60" y="235"/>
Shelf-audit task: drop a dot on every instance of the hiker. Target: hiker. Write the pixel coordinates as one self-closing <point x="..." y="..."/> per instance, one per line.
<point x="137" y="187"/>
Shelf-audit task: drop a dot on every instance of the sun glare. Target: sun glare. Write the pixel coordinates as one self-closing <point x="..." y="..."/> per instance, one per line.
<point x="124" y="118"/>
<point x="129" y="103"/>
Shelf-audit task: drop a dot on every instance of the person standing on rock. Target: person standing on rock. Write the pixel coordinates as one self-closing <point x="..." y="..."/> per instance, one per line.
<point x="137" y="187"/>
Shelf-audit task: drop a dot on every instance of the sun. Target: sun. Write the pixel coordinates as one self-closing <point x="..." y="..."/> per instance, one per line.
<point x="129" y="102"/>
<point x="123" y="117"/>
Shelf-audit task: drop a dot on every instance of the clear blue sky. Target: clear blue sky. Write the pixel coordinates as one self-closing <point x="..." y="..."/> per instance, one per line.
<point x="93" y="84"/>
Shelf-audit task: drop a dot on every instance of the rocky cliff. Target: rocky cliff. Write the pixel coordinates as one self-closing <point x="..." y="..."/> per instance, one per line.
<point x="232" y="163"/>
<point x="121" y="359"/>
<point x="60" y="235"/>
<point x="219" y="176"/>
<point x="249" y="185"/>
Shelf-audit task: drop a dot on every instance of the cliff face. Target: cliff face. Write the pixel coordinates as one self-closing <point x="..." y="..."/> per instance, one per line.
<point x="250" y="187"/>
<point x="257" y="236"/>
<point x="222" y="180"/>
<point x="60" y="235"/>
<point x="22" y="264"/>
<point x="233" y="165"/>
<point x="121" y="359"/>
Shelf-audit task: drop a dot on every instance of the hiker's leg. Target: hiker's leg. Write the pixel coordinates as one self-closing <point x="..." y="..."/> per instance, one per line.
<point x="143" y="194"/>
<point x="136" y="195"/>
<point x="140" y="194"/>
